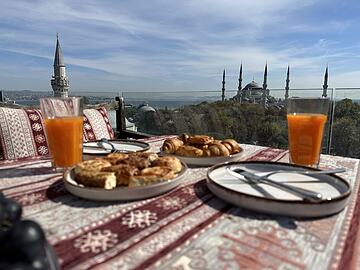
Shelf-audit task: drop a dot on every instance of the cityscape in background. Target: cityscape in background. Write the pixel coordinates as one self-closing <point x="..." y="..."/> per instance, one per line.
<point x="252" y="92"/>
<point x="252" y="113"/>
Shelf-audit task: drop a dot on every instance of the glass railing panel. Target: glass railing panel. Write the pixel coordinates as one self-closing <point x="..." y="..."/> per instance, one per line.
<point x="204" y="112"/>
<point x="31" y="98"/>
<point x="345" y="139"/>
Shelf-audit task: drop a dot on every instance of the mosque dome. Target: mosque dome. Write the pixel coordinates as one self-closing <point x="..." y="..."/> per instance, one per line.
<point x="252" y="85"/>
<point x="145" y="108"/>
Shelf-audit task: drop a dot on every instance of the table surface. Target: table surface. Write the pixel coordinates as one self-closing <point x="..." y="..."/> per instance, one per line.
<point x="187" y="228"/>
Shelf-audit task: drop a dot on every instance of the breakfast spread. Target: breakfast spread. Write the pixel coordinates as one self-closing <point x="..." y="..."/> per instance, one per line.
<point x="127" y="170"/>
<point x="200" y="146"/>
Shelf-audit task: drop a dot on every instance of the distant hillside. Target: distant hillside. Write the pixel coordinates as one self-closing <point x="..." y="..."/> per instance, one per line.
<point x="247" y="123"/>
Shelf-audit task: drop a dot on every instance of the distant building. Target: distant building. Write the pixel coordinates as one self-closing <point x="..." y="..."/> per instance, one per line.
<point x="59" y="82"/>
<point x="145" y="108"/>
<point x="253" y="92"/>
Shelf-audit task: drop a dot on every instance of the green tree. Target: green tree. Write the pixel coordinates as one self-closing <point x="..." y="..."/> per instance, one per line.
<point x="345" y="140"/>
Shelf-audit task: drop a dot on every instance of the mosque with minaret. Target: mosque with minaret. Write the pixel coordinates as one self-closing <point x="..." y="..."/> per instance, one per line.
<point x="59" y="82"/>
<point x="250" y="93"/>
<point x="254" y="93"/>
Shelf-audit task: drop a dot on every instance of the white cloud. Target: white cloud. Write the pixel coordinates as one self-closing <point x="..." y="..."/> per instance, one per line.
<point x="179" y="44"/>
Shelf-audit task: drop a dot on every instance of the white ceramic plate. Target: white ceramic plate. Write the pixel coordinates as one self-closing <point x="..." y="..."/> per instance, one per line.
<point x="121" y="193"/>
<point x="92" y="149"/>
<point x="268" y="199"/>
<point x="207" y="161"/>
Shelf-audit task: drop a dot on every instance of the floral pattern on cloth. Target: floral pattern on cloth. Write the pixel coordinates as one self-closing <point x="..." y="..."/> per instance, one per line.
<point x="22" y="134"/>
<point x="97" y="125"/>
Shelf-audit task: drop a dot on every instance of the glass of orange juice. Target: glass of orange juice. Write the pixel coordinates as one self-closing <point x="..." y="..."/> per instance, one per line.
<point x="306" y="118"/>
<point x="63" y="118"/>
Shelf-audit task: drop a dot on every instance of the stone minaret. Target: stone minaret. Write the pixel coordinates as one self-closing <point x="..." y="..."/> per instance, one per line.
<point x="223" y="87"/>
<point x="325" y="86"/>
<point x="264" y="93"/>
<point x="287" y="86"/>
<point x="59" y="81"/>
<point x="239" y="93"/>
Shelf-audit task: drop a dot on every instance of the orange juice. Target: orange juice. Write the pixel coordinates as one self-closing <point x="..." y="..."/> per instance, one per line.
<point x="305" y="137"/>
<point x="64" y="136"/>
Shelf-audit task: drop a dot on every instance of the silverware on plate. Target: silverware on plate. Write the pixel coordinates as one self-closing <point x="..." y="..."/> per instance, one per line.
<point x="106" y="141"/>
<point x="253" y="178"/>
<point x="306" y="172"/>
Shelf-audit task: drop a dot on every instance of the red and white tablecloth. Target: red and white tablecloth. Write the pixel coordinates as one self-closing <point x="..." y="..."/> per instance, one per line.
<point x="187" y="228"/>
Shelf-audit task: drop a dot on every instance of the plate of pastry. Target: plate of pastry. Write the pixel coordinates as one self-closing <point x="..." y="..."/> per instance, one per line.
<point x="103" y="147"/>
<point x="202" y="150"/>
<point x="124" y="176"/>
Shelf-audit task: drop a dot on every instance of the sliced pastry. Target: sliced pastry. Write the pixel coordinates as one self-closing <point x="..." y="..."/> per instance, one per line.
<point x="116" y="158"/>
<point x="151" y="175"/>
<point x="168" y="161"/>
<point x="123" y="173"/>
<point x="88" y="173"/>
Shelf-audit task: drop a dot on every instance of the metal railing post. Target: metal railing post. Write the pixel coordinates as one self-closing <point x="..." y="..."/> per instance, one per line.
<point x="331" y="120"/>
<point x="120" y="115"/>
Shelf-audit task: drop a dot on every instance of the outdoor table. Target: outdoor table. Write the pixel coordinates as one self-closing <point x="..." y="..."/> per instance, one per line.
<point x="186" y="228"/>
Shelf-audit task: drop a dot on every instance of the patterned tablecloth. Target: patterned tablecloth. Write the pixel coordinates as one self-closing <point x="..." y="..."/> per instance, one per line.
<point x="187" y="228"/>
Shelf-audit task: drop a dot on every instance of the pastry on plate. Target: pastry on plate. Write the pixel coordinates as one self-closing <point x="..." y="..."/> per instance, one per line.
<point x="115" y="158"/>
<point x="89" y="173"/>
<point x="123" y="173"/>
<point x="148" y="155"/>
<point x="232" y="146"/>
<point x="200" y="139"/>
<point x="132" y="170"/>
<point x="216" y="149"/>
<point x="171" y="145"/>
<point x="91" y="165"/>
<point x="168" y="161"/>
<point x="189" y="151"/>
<point x="151" y="175"/>
<point x="139" y="162"/>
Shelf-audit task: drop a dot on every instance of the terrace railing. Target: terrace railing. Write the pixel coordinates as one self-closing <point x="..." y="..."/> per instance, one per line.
<point x="176" y="112"/>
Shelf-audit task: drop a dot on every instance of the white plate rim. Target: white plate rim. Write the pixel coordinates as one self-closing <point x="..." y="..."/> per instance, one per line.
<point x="338" y="198"/>
<point x="172" y="183"/>
<point x="145" y="146"/>
<point x="279" y="207"/>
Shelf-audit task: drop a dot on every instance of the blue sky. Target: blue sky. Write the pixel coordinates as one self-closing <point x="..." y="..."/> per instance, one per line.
<point x="164" y="45"/>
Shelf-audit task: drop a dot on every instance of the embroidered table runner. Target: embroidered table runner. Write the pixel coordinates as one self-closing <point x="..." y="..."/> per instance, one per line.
<point x="187" y="228"/>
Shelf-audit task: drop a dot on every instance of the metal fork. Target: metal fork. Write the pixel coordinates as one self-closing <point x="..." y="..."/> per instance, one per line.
<point x="106" y="141"/>
<point x="305" y="194"/>
<point x="306" y="172"/>
<point x="113" y="148"/>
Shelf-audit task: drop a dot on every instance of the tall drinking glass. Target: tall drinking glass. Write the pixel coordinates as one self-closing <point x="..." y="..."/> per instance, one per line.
<point x="64" y="129"/>
<point x="306" y="118"/>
